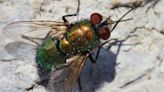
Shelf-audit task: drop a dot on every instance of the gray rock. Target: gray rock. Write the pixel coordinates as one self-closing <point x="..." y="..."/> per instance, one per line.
<point x="135" y="66"/>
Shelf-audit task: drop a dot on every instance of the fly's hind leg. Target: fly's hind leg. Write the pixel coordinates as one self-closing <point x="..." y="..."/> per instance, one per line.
<point x="70" y="15"/>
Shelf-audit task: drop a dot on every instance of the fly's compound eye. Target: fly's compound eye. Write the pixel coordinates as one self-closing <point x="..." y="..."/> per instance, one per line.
<point x="104" y="33"/>
<point x="96" y="18"/>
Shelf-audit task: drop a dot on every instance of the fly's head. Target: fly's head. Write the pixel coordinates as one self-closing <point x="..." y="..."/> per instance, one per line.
<point x="102" y="30"/>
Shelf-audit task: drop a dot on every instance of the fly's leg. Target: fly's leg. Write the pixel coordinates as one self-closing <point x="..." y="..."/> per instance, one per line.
<point x="70" y="15"/>
<point x="79" y="83"/>
<point x="97" y="54"/>
<point x="91" y="58"/>
<point x="98" y="51"/>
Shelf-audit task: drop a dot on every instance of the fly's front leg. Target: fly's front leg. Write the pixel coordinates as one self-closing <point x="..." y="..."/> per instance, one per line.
<point x="98" y="51"/>
<point x="91" y="58"/>
<point x="97" y="54"/>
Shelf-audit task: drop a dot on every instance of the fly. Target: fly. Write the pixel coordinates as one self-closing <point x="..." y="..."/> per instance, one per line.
<point x="65" y="41"/>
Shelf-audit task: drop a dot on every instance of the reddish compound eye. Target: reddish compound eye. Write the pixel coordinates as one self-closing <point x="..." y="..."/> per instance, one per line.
<point x="104" y="33"/>
<point x="96" y="18"/>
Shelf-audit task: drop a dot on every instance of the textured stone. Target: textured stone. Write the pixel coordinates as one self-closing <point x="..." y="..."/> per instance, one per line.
<point x="137" y="66"/>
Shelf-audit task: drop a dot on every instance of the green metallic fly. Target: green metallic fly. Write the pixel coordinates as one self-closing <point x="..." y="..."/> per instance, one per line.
<point x="66" y="46"/>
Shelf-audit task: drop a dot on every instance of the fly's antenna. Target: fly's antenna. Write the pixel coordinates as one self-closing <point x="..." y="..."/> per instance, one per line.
<point x="121" y="19"/>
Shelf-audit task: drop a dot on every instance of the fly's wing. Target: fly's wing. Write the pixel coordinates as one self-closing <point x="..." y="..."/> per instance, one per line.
<point x="74" y="71"/>
<point x="21" y="50"/>
<point x="57" y="80"/>
<point x="64" y="79"/>
<point x="34" y="29"/>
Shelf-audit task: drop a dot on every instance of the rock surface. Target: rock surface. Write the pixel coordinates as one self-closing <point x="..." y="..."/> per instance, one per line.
<point x="134" y="63"/>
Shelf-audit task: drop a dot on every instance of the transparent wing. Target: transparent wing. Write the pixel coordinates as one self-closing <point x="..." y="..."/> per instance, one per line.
<point x="57" y="80"/>
<point x="21" y="50"/>
<point x="15" y="30"/>
<point x="64" y="79"/>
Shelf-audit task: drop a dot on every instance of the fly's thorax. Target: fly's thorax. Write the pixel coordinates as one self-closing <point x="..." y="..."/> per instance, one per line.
<point x="65" y="46"/>
<point x="48" y="55"/>
<point x="82" y="36"/>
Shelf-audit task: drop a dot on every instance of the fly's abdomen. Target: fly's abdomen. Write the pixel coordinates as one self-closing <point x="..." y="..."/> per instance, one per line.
<point x="48" y="55"/>
<point x="82" y="36"/>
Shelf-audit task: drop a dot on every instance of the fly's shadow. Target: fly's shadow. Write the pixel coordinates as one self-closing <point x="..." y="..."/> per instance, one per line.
<point x="95" y="74"/>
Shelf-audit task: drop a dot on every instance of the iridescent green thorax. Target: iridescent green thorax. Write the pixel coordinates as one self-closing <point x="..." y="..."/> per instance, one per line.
<point x="82" y="36"/>
<point x="48" y="55"/>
